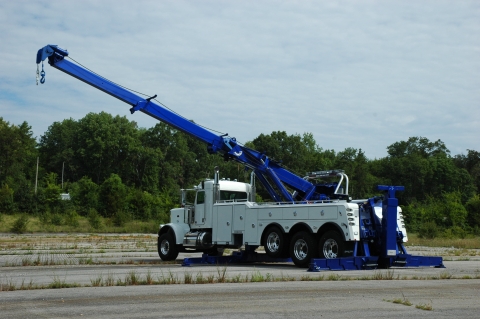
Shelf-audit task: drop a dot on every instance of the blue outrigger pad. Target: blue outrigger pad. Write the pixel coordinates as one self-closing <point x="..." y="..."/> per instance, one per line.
<point x="373" y="262"/>
<point x="346" y="263"/>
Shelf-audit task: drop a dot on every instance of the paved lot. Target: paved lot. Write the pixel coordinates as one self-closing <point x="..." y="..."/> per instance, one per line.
<point x="326" y="299"/>
<point x="281" y="290"/>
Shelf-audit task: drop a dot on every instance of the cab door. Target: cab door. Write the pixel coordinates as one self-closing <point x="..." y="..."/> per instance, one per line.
<point x="200" y="208"/>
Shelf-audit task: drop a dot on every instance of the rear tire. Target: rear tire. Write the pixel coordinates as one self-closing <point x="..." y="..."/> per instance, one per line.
<point x="275" y="243"/>
<point x="331" y="245"/>
<point x="167" y="248"/>
<point x="302" y="249"/>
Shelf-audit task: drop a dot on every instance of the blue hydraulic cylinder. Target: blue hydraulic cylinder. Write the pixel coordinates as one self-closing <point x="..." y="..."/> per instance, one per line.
<point x="389" y="221"/>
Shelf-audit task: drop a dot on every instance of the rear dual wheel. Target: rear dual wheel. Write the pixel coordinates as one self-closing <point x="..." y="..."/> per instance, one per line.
<point x="331" y="245"/>
<point x="303" y="248"/>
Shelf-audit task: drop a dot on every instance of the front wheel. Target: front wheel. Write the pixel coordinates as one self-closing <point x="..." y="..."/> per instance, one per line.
<point x="331" y="245"/>
<point x="302" y="249"/>
<point x="167" y="248"/>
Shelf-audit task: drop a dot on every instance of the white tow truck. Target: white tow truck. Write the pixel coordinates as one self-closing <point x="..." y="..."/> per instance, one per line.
<point x="223" y="214"/>
<point x="312" y="220"/>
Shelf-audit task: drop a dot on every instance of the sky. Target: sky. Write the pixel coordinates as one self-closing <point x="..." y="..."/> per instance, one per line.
<point x="360" y="74"/>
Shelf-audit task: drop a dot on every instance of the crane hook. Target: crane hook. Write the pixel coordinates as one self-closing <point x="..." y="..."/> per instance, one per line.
<point x="42" y="75"/>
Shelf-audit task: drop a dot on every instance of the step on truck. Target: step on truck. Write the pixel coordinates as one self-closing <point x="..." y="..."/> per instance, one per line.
<point x="310" y="219"/>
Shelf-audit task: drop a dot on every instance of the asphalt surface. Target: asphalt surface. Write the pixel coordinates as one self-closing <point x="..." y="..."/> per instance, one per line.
<point x="285" y="291"/>
<point x="326" y="299"/>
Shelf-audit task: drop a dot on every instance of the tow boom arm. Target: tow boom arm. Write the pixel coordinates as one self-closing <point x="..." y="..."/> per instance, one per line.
<point x="267" y="171"/>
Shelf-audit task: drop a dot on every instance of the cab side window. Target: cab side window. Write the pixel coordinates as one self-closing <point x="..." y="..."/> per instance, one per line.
<point x="200" y="197"/>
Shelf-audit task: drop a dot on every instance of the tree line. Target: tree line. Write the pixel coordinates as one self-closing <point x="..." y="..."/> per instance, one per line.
<point x="115" y="169"/>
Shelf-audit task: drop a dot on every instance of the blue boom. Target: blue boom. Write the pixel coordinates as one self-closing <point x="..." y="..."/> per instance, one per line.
<point x="278" y="181"/>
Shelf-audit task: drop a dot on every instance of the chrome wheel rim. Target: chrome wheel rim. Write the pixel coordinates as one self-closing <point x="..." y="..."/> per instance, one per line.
<point x="330" y="249"/>
<point x="165" y="247"/>
<point x="273" y="242"/>
<point x="300" y="249"/>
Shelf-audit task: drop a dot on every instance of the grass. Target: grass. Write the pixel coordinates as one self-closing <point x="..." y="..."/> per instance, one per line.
<point x="188" y="278"/>
<point x="57" y="283"/>
<point x="97" y="282"/>
<point x="404" y="301"/>
<point x="465" y="243"/>
<point x="133" y="278"/>
<point x="386" y="275"/>
<point x="221" y="274"/>
<point x="110" y="280"/>
<point x="75" y="249"/>
<point x="200" y="279"/>
<point x="308" y="278"/>
<point x="94" y="249"/>
<point x="445" y="275"/>
<point x="333" y="277"/>
<point x="427" y="306"/>
<point x="35" y="225"/>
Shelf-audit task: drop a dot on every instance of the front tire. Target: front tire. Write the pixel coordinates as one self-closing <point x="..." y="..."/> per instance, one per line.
<point x="275" y="243"/>
<point x="302" y="249"/>
<point x="331" y="245"/>
<point x="167" y="248"/>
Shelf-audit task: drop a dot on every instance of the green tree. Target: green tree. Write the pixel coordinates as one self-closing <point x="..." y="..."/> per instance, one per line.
<point x="359" y="170"/>
<point x="178" y="157"/>
<point x="50" y="198"/>
<point x="445" y="211"/>
<point x="298" y="153"/>
<point x="105" y="146"/>
<point x="24" y="195"/>
<point x="163" y="203"/>
<point x="17" y="162"/>
<point x="112" y="198"/>
<point x="95" y="146"/>
<point x="420" y="146"/>
<point x="424" y="168"/>
<point x="471" y="163"/>
<point x="20" y="224"/>
<point x="85" y="194"/>
<point x="140" y="204"/>
<point x="17" y="150"/>
<point x="455" y="214"/>
<point x="473" y="209"/>
<point x="57" y="148"/>
<point x="6" y="199"/>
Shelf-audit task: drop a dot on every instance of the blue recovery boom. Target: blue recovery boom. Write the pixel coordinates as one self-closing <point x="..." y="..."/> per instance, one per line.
<point x="278" y="181"/>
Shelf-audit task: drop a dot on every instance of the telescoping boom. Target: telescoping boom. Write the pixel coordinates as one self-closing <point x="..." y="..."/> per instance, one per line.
<point x="276" y="179"/>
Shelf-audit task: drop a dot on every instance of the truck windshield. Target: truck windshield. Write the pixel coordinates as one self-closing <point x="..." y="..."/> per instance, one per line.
<point x="189" y="196"/>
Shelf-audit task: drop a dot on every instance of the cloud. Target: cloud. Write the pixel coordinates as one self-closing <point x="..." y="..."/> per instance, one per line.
<point x="355" y="74"/>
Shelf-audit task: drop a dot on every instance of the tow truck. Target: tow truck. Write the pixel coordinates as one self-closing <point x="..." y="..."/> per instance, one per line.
<point x="311" y="220"/>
